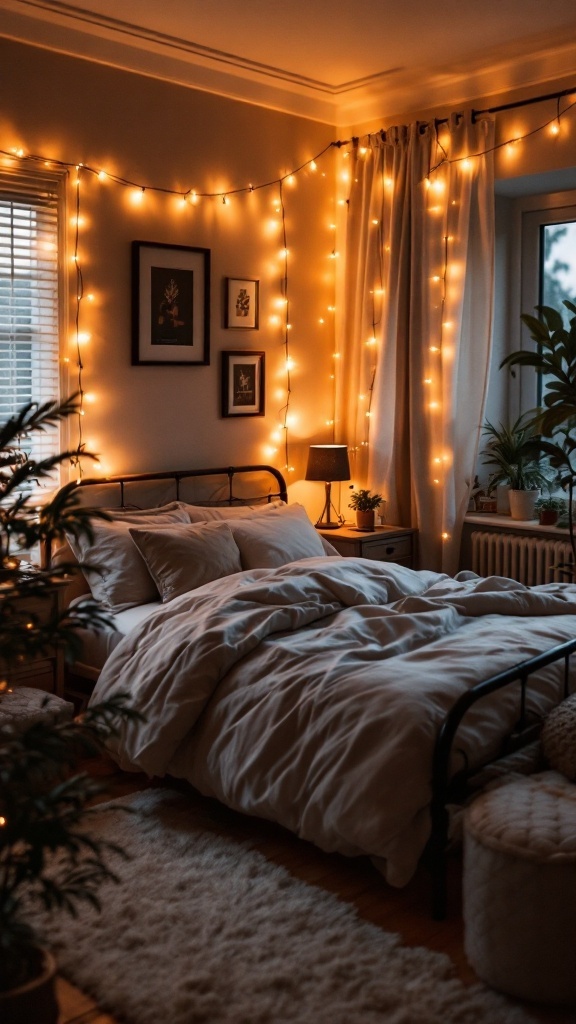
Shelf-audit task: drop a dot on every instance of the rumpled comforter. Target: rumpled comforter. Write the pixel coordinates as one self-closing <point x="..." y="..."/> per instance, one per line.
<point x="312" y="694"/>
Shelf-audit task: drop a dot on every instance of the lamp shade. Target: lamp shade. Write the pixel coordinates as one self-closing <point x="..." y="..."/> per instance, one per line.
<point x="328" y="462"/>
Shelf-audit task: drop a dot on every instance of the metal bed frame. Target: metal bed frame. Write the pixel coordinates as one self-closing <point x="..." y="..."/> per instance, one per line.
<point x="456" y="789"/>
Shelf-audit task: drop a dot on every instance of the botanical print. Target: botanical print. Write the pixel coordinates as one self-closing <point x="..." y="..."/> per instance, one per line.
<point x="242" y="306"/>
<point x="172" y="306"/>
<point x="244" y="384"/>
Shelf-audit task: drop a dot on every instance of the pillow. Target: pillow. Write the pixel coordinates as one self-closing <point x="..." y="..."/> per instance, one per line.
<point x="181" y="558"/>
<point x="122" y="579"/>
<point x="277" y="537"/>
<point x="134" y="515"/>
<point x="205" y="513"/>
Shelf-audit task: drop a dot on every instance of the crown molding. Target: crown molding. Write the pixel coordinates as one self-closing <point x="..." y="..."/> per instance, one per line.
<point x="69" y="30"/>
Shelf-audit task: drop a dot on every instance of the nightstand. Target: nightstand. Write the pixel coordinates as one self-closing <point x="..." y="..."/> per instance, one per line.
<point x="45" y="672"/>
<point x="384" y="544"/>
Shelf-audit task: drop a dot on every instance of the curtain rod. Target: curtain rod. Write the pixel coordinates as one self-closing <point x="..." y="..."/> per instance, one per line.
<point x="522" y="103"/>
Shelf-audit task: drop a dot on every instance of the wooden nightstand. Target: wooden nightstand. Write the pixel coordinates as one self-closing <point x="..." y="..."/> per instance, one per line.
<point x="45" y="672"/>
<point x="384" y="544"/>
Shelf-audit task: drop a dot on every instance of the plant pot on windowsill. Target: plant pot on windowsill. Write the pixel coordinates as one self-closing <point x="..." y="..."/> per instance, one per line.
<point x="522" y="503"/>
<point x="548" y="517"/>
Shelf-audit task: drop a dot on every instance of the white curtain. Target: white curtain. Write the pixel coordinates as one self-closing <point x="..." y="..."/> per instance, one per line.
<point x="415" y="343"/>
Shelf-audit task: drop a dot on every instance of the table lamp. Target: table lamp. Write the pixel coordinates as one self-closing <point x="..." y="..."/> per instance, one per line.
<point x="328" y="462"/>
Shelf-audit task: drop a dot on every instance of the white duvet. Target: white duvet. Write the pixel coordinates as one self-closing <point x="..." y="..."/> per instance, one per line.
<point x="312" y="694"/>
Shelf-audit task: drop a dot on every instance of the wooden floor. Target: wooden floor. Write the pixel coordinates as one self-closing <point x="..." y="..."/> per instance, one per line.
<point x="403" y="911"/>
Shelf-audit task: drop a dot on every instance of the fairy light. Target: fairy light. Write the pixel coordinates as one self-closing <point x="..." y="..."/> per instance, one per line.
<point x="433" y="183"/>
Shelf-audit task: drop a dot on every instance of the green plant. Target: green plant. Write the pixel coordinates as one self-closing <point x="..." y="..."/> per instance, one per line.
<point x="551" y="503"/>
<point x="363" y="501"/>
<point x="555" y="422"/>
<point x="24" y="526"/>
<point x="42" y="844"/>
<point x="516" y="455"/>
<point x="42" y="803"/>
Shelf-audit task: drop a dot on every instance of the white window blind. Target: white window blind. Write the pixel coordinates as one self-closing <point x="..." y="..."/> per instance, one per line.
<point x="29" y="288"/>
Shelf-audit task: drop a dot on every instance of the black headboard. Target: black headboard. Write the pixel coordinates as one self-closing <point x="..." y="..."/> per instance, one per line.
<point x="229" y="485"/>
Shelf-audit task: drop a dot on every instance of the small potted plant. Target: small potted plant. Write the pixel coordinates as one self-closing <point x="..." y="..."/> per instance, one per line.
<point x="549" y="508"/>
<point x="364" y="504"/>
<point x="519" y="462"/>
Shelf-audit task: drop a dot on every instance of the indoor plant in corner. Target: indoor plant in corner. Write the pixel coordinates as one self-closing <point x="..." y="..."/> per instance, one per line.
<point x="42" y="803"/>
<point x="365" y="504"/>
<point x="519" y="464"/>
<point x="555" y="422"/>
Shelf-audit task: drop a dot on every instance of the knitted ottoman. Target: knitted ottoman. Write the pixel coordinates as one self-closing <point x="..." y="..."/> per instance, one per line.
<point x="25" y="705"/>
<point x="519" y="890"/>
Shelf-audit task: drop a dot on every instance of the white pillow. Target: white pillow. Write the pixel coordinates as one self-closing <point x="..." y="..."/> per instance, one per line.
<point x="120" y="578"/>
<point x="277" y="537"/>
<point x="205" y="513"/>
<point x="181" y="558"/>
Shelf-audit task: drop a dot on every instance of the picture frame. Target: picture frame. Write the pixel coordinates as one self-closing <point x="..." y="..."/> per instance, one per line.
<point x="170" y="305"/>
<point x="243" y="383"/>
<point x="242" y="304"/>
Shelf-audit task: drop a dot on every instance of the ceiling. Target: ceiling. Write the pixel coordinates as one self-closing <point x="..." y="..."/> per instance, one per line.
<point x="337" y="61"/>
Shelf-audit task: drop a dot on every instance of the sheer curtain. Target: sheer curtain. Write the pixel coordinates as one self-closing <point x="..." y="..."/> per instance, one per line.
<point x="415" y="341"/>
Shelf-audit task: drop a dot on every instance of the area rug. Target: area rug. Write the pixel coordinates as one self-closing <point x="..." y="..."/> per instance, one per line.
<point x="202" y="929"/>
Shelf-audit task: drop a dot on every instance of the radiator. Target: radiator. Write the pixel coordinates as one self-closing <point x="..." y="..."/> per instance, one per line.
<point x="528" y="559"/>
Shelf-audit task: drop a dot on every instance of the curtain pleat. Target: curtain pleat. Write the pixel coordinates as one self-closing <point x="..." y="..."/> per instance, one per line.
<point x="416" y="340"/>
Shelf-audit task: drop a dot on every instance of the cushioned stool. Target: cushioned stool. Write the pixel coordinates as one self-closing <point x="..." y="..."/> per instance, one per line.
<point x="519" y="896"/>
<point x="25" y="705"/>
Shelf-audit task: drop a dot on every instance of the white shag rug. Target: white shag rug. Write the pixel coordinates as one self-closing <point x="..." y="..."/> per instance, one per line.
<point x="203" y="929"/>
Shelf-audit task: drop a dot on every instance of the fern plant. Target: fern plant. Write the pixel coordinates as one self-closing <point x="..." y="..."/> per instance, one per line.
<point x="42" y="803"/>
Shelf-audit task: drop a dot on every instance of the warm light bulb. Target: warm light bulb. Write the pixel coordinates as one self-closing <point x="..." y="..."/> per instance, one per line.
<point x="102" y="175"/>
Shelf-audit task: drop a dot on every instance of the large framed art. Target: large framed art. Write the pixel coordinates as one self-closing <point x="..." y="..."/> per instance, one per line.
<point x="243" y="383"/>
<point x="170" y="305"/>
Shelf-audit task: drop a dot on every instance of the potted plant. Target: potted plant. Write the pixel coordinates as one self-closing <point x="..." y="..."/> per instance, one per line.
<point x="554" y="423"/>
<point x="549" y="508"/>
<point x="42" y="804"/>
<point x="365" y="504"/>
<point x="519" y="464"/>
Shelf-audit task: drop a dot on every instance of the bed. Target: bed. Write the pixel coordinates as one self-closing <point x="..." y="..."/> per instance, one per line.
<point x="350" y="701"/>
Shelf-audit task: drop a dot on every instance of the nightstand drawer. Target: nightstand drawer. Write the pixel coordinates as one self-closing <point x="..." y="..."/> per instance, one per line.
<point x="398" y="550"/>
<point x="384" y="544"/>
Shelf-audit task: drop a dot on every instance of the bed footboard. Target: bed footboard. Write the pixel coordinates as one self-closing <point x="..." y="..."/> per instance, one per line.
<point x="450" y="789"/>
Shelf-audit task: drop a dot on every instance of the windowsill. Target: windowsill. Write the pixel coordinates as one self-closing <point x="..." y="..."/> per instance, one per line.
<point x="507" y="523"/>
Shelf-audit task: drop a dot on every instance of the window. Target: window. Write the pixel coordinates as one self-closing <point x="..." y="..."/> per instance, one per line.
<point x="535" y="265"/>
<point x="29" y="296"/>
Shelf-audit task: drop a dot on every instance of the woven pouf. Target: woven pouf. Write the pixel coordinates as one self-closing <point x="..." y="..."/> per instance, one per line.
<point x="24" y="706"/>
<point x="519" y="889"/>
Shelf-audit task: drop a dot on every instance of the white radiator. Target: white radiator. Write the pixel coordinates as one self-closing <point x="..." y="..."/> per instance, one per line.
<point x="528" y="559"/>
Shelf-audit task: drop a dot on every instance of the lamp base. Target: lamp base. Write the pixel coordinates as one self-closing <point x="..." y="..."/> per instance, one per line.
<point x="325" y="521"/>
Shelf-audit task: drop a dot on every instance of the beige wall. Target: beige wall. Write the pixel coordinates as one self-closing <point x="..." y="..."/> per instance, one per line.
<point x="159" y="134"/>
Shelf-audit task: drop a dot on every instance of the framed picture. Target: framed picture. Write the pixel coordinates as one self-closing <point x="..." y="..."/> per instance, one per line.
<point x="170" y="305"/>
<point x="243" y="383"/>
<point x="241" y="304"/>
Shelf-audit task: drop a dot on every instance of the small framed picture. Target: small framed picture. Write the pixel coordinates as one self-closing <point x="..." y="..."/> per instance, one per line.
<point x="243" y="383"/>
<point x="241" y="304"/>
<point x="170" y="305"/>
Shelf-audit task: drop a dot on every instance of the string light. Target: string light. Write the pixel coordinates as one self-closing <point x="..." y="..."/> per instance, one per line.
<point x="192" y="196"/>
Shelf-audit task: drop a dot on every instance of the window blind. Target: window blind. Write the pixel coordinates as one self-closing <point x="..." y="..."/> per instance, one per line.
<point x="29" y="288"/>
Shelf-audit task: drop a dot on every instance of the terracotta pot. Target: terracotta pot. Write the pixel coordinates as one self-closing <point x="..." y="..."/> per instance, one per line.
<point x="365" y="520"/>
<point x="548" y="517"/>
<point x="522" y="503"/>
<point x="36" y="1000"/>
